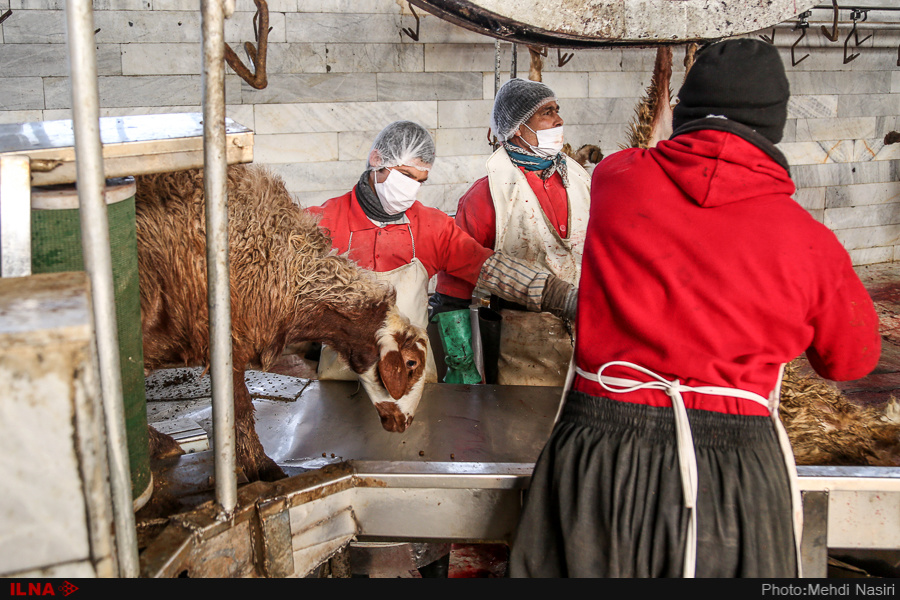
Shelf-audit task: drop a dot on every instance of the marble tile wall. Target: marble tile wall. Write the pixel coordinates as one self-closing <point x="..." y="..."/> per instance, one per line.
<point x="339" y="70"/>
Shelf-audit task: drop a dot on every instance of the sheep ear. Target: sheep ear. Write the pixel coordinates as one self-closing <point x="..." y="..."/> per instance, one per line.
<point x="393" y="373"/>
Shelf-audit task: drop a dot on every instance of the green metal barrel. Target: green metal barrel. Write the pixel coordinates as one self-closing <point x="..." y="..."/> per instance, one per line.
<point x="56" y="246"/>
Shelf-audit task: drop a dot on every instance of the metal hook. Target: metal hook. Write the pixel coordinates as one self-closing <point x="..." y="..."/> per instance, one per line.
<point x="856" y="14"/>
<point x="852" y="57"/>
<point x="802" y="25"/>
<point x="770" y="40"/>
<point x="833" y="34"/>
<point x="412" y="34"/>
<point x="562" y="59"/>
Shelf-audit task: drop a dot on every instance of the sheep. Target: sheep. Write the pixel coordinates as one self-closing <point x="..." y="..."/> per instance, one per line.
<point x="287" y="286"/>
<point x="826" y="428"/>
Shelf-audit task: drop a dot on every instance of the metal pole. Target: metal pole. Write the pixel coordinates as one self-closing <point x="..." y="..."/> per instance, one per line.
<point x="496" y="67"/>
<point x="215" y="191"/>
<point x="514" y="62"/>
<point x="98" y="264"/>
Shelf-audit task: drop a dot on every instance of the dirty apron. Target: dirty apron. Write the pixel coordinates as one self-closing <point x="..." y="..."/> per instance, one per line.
<point x="684" y="441"/>
<point x="411" y="283"/>
<point x="535" y="348"/>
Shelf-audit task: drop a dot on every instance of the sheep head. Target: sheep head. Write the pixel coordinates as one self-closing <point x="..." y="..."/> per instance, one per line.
<point x="395" y="383"/>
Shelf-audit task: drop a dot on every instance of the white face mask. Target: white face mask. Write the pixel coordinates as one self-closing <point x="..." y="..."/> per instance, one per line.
<point x="397" y="193"/>
<point x="550" y="141"/>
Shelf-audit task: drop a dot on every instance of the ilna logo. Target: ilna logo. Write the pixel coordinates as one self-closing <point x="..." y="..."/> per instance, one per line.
<point x="17" y="588"/>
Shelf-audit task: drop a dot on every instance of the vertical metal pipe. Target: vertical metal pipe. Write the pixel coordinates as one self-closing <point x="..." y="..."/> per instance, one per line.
<point x="98" y="264"/>
<point x="514" y="63"/>
<point x="215" y="191"/>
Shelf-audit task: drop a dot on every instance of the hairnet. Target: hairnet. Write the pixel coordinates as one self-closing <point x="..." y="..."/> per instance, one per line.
<point x="402" y="143"/>
<point x="516" y="101"/>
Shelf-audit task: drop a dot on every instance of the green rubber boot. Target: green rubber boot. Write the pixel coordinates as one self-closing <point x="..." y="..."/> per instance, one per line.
<point x="456" y="336"/>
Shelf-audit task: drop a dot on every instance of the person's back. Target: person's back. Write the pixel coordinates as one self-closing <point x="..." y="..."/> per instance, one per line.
<point x="711" y="272"/>
<point x="700" y="278"/>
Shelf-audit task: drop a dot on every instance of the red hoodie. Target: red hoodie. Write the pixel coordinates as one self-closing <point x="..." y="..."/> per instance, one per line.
<point x="700" y="266"/>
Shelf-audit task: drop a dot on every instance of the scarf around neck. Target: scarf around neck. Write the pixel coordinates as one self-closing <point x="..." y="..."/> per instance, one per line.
<point x="370" y="204"/>
<point x="531" y="161"/>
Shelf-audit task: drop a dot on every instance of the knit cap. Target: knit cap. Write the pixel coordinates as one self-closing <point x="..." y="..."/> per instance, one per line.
<point x="740" y="79"/>
<point x="516" y="101"/>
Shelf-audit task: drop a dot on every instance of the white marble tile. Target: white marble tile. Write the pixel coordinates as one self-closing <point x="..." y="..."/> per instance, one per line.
<point x="295" y="148"/>
<point x="304" y="178"/>
<point x="869" y="237"/>
<point x="331" y="27"/>
<point x="871" y="256"/>
<point x="374" y="58"/>
<point x="464" y="113"/>
<point x="293" y="58"/>
<point x="862" y="194"/>
<point x="811" y="198"/>
<point x="351" y="6"/>
<point x="51" y="60"/>
<point x="428" y="86"/>
<point x="812" y="107"/>
<point x="162" y="59"/>
<point x="462" y="142"/>
<point x="318" y="197"/>
<point x="167" y="90"/>
<point x="344" y="116"/>
<point x="619" y="85"/>
<point x="868" y="104"/>
<point x="839" y="82"/>
<point x="458" y="169"/>
<point x="21" y="93"/>
<point x="148" y="26"/>
<point x="35" y="27"/>
<point x="473" y="57"/>
<point x="872" y="215"/>
<point x="328" y="88"/>
<point x="20" y="116"/>
<point x="850" y="128"/>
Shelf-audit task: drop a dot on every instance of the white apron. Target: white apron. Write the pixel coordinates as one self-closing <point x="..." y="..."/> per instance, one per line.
<point x="535" y="348"/>
<point x="411" y="283"/>
<point x="686" y="458"/>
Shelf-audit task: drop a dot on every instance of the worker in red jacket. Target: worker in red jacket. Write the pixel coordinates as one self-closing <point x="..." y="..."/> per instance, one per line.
<point x="532" y="205"/>
<point x="701" y="278"/>
<point x="385" y="229"/>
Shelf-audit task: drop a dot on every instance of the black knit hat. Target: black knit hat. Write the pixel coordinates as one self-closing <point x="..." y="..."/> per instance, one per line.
<point x="741" y="79"/>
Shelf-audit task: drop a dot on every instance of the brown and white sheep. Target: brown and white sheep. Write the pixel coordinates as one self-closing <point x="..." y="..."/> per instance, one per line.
<point x="287" y="286"/>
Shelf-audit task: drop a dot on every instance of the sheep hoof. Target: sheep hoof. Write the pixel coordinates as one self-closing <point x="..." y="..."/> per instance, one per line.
<point x="163" y="446"/>
<point x="270" y="471"/>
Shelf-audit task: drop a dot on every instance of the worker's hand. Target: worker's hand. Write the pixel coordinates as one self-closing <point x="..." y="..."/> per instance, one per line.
<point x="559" y="298"/>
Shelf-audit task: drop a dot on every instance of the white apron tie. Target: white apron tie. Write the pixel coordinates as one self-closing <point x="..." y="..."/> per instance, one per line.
<point x="687" y="459"/>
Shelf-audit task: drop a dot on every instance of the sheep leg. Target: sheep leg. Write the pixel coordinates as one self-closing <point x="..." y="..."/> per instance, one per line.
<point x="251" y="456"/>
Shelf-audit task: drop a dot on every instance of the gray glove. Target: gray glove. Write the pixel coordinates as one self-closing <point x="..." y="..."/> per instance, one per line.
<point x="559" y="298"/>
<point x="522" y="282"/>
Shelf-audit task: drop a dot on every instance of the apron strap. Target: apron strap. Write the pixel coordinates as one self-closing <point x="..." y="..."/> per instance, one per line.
<point x="687" y="459"/>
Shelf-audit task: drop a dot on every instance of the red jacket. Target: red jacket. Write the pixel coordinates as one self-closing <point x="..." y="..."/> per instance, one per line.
<point x="475" y="215"/>
<point x="700" y="266"/>
<point x="440" y="244"/>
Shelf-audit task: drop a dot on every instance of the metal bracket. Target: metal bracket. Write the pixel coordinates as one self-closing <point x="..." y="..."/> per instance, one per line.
<point x="6" y="15"/>
<point x="562" y="59"/>
<point x="802" y="25"/>
<point x="414" y="35"/>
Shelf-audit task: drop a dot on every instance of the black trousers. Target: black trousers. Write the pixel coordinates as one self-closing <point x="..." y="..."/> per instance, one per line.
<point x="606" y="500"/>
